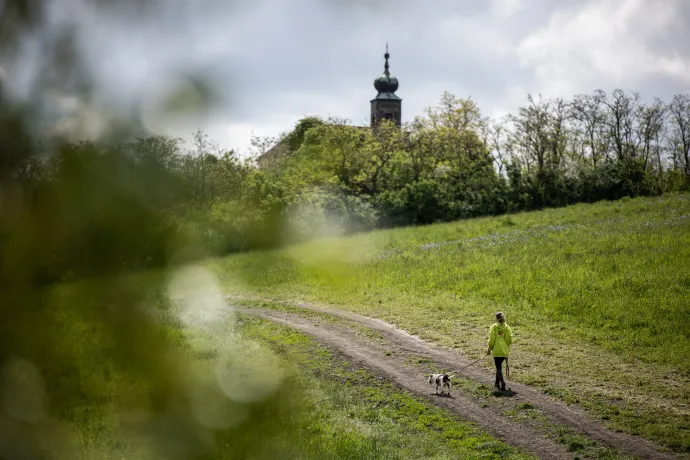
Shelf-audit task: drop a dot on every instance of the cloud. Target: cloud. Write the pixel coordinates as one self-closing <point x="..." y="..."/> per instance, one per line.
<point x="605" y="44"/>
<point x="271" y="62"/>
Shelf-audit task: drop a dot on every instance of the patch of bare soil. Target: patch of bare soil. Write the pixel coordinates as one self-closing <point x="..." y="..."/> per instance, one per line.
<point x="405" y="359"/>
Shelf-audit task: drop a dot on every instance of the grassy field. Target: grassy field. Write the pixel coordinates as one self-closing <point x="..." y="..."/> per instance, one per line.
<point x="355" y="415"/>
<point x="237" y="388"/>
<point x="597" y="296"/>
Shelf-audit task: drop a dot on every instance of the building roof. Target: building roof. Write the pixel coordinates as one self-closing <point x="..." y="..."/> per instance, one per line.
<point x="386" y="84"/>
<point x="387" y="96"/>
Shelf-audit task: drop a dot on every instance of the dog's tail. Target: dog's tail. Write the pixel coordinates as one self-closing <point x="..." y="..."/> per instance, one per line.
<point x="451" y="376"/>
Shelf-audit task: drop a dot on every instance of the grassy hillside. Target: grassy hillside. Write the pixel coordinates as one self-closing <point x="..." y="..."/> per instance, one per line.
<point x="597" y="295"/>
<point x="101" y="380"/>
<point x="243" y="389"/>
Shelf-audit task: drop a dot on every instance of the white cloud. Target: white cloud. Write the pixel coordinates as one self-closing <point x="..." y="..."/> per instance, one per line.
<point x="604" y="42"/>
<point x="505" y="9"/>
<point x="274" y="61"/>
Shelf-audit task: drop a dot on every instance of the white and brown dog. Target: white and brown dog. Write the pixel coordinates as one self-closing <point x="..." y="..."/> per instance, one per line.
<point x="442" y="381"/>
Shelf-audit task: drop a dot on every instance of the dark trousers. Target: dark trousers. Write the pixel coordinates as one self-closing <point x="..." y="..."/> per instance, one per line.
<point x="499" y="372"/>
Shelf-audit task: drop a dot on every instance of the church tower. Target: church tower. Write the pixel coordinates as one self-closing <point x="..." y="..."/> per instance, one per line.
<point x="386" y="105"/>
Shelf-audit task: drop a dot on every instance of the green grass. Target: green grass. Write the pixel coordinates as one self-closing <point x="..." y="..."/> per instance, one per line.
<point x="209" y="405"/>
<point x="597" y="296"/>
<point x="354" y="414"/>
<point x="92" y="375"/>
<point x="598" y="307"/>
<point x="78" y="357"/>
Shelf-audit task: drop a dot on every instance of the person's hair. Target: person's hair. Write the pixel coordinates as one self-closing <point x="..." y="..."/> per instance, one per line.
<point x="500" y="316"/>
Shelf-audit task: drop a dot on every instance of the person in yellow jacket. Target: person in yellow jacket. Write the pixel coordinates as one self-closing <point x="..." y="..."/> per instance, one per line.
<point x="500" y="338"/>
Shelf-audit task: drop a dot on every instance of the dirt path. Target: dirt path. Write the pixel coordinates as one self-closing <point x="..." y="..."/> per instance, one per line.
<point x="405" y="359"/>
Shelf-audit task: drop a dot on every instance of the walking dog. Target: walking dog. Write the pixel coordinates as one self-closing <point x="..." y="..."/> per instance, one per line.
<point x="442" y="381"/>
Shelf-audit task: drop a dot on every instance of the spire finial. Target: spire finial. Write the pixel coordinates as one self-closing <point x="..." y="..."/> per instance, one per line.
<point x="386" y="83"/>
<point x="386" y="56"/>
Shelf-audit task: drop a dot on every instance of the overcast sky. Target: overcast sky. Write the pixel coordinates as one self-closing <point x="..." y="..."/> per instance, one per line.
<point x="275" y="61"/>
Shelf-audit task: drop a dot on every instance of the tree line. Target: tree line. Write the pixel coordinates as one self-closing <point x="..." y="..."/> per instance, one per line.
<point x="596" y="146"/>
<point x="454" y="163"/>
<point x="328" y="177"/>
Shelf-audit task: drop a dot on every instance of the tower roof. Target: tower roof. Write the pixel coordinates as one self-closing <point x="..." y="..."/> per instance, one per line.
<point x="386" y="84"/>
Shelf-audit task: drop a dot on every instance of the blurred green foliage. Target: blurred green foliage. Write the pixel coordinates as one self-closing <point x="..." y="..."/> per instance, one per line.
<point x="77" y="357"/>
<point x="94" y="362"/>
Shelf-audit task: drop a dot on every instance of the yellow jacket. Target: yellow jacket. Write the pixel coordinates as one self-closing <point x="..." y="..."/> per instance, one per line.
<point x="500" y="338"/>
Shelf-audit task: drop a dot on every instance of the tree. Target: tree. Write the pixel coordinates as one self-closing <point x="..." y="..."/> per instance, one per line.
<point x="621" y="110"/>
<point x="679" y="117"/>
<point x="650" y="126"/>
<point x="497" y="140"/>
<point x="296" y="137"/>
<point x="590" y="120"/>
<point x="264" y="150"/>
<point x="557" y="132"/>
<point x="530" y="135"/>
<point x="203" y="153"/>
<point x="382" y="147"/>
